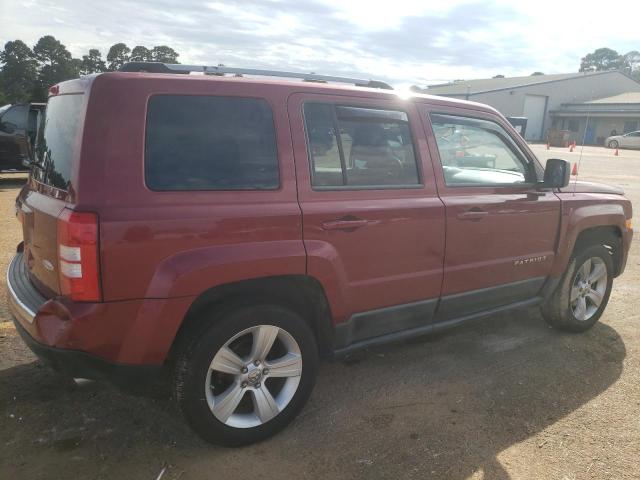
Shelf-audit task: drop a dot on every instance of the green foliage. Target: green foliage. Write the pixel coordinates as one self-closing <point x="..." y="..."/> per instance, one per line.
<point x="118" y="55"/>
<point x="3" y="99"/>
<point x="632" y="63"/>
<point x="19" y="71"/>
<point x="92" y="63"/>
<point x="141" y="54"/>
<point x="607" y="59"/>
<point x="49" y="51"/>
<point x="26" y="74"/>
<point x="601" y="60"/>
<point x="56" y="65"/>
<point x="164" y="54"/>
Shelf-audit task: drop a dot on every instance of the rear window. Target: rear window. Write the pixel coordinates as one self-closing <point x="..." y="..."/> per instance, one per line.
<point x="59" y="140"/>
<point x="210" y="143"/>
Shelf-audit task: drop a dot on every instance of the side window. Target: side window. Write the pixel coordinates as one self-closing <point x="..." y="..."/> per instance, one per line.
<point x="359" y="147"/>
<point x="210" y="143"/>
<point x="477" y="152"/>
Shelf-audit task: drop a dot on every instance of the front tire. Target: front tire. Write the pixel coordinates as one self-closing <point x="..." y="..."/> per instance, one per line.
<point x="247" y="376"/>
<point x="581" y="297"/>
<point x="613" y="144"/>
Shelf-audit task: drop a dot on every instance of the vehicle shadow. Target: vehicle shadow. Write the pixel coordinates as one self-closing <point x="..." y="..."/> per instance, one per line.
<point x="442" y="406"/>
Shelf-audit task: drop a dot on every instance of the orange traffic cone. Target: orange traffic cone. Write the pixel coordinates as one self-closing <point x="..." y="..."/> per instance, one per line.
<point x="616" y="154"/>
<point x="575" y="169"/>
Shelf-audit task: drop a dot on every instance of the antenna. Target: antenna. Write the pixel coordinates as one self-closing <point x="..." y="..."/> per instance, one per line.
<point x="584" y="137"/>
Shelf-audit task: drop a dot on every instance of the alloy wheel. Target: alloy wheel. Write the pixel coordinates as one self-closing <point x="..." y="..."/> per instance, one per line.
<point x="588" y="288"/>
<point x="254" y="376"/>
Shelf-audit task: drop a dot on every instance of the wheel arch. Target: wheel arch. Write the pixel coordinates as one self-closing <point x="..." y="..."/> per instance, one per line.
<point x="301" y="293"/>
<point x="610" y="236"/>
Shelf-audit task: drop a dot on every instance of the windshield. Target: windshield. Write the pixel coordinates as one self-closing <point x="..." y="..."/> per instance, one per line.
<point x="59" y="140"/>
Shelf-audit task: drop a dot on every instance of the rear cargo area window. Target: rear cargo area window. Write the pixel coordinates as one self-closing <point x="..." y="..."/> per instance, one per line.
<point x="59" y="141"/>
<point x="210" y="143"/>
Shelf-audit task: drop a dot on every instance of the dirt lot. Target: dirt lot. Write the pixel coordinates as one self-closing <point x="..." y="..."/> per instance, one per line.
<point x="503" y="398"/>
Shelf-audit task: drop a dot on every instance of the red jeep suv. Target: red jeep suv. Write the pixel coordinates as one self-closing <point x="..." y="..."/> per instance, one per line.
<point x="225" y="232"/>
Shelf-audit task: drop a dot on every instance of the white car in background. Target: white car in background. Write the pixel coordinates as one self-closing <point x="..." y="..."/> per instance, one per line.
<point x="628" y="140"/>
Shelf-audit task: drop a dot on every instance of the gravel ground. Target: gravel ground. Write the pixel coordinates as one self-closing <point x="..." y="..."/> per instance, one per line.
<point x="502" y="398"/>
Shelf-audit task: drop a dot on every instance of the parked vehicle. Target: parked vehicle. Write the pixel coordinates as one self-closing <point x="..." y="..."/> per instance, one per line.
<point x="18" y="131"/>
<point x="628" y="140"/>
<point x="225" y="233"/>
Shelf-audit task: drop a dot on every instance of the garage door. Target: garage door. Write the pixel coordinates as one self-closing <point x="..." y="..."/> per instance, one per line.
<point x="534" y="109"/>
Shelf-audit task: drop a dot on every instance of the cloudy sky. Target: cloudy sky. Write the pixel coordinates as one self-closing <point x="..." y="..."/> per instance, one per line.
<point x="402" y="41"/>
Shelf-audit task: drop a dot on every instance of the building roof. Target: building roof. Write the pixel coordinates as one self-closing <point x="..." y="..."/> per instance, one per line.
<point x="623" y="98"/>
<point x="471" y="87"/>
<point x="622" y="105"/>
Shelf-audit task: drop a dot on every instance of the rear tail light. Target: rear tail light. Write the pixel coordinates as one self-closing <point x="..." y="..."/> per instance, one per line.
<point x="79" y="270"/>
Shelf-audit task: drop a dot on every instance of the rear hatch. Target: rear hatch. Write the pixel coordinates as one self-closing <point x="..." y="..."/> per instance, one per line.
<point x="51" y="185"/>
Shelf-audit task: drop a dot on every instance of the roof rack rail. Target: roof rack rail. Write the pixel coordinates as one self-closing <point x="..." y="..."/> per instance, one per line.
<point x="157" y="67"/>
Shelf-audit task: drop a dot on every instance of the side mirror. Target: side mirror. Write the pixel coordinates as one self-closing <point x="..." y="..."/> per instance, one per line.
<point x="556" y="173"/>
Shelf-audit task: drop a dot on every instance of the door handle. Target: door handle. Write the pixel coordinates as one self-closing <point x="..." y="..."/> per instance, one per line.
<point x="473" y="214"/>
<point x="345" y="224"/>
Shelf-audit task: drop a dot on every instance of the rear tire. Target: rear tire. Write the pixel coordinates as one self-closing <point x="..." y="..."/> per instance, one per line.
<point x="581" y="297"/>
<point x="247" y="376"/>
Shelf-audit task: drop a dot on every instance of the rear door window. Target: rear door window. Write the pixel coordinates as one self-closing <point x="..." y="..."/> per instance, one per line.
<point x="210" y="143"/>
<point x="355" y="147"/>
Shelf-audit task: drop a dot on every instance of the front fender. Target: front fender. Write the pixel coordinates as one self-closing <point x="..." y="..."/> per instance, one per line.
<point x="194" y="271"/>
<point x="581" y="212"/>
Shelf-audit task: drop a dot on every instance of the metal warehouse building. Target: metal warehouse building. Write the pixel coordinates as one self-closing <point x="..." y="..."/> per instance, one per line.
<point x="546" y="100"/>
<point x="596" y="120"/>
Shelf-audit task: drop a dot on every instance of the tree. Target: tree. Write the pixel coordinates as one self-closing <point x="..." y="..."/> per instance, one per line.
<point x="632" y="63"/>
<point x="19" y="72"/>
<point x="118" y="55"/>
<point x="141" y="54"/>
<point x="55" y="65"/>
<point x="164" y="54"/>
<point x="601" y="60"/>
<point x="92" y="63"/>
<point x="49" y="51"/>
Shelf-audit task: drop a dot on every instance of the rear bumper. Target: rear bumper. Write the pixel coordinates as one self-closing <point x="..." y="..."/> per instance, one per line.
<point x="78" y="364"/>
<point x="24" y="300"/>
<point x="93" y="340"/>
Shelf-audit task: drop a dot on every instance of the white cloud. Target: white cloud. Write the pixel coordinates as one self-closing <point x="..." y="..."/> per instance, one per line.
<point x="402" y="41"/>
